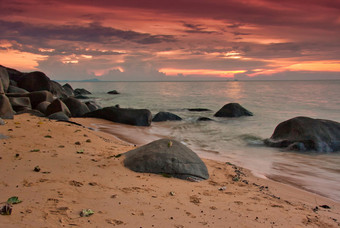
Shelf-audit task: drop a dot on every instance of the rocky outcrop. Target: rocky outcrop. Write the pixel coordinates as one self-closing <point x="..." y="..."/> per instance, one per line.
<point x="233" y="110"/>
<point x="137" y="117"/>
<point x="57" y="106"/>
<point x="304" y="134"/>
<point x="168" y="157"/>
<point x="6" y="110"/>
<point x="76" y="107"/>
<point x="165" y="116"/>
<point x="35" y="81"/>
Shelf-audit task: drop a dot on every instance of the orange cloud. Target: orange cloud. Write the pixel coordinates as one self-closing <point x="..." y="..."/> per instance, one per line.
<point x="330" y="66"/>
<point x="20" y="60"/>
<point x="210" y="72"/>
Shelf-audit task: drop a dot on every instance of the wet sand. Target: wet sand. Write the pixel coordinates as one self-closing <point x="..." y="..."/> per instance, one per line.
<point x="79" y="170"/>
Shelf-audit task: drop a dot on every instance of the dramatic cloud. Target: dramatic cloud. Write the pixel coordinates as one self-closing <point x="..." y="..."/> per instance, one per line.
<point x="172" y="40"/>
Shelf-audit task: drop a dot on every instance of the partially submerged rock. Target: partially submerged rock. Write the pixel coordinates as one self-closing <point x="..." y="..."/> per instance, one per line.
<point x="165" y="116"/>
<point x="76" y="107"/>
<point x="168" y="157"/>
<point x="233" y="110"/>
<point x="304" y="134"/>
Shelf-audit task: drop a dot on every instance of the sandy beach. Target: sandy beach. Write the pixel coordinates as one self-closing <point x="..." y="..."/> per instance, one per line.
<point x="58" y="169"/>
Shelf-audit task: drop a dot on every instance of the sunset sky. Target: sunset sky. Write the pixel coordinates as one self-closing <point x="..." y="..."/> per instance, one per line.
<point x="172" y="40"/>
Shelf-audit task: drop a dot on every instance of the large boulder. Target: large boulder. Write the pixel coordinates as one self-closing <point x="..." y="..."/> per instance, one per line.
<point x="233" y="110"/>
<point x="57" y="106"/>
<point x="57" y="90"/>
<point x="165" y="116"/>
<point x="20" y="103"/>
<point x="93" y="106"/>
<point x="68" y="89"/>
<point x="304" y="133"/>
<point x="137" y="117"/>
<point x="4" y="78"/>
<point x="169" y="157"/>
<point x="6" y="110"/>
<point x="15" y="89"/>
<point x="76" y="107"/>
<point x="35" y="81"/>
<point x="13" y="74"/>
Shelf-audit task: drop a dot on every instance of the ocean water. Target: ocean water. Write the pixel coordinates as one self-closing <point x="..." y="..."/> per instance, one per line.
<point x="235" y="140"/>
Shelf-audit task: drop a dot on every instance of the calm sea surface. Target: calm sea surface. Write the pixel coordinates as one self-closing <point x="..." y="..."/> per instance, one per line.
<point x="236" y="140"/>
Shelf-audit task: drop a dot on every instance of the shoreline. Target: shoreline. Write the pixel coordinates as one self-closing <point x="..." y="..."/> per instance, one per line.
<point x="70" y="181"/>
<point x="98" y="124"/>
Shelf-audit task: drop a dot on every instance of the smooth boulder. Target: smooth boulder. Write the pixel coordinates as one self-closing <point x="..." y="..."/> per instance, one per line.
<point x="68" y="89"/>
<point x="20" y="103"/>
<point x="4" y="78"/>
<point x="136" y="117"/>
<point x="76" y="107"/>
<point x="57" y="90"/>
<point x="57" y="106"/>
<point x="6" y="110"/>
<point x="169" y="157"/>
<point x="42" y="107"/>
<point x="233" y="110"/>
<point x="305" y="134"/>
<point x="35" y="81"/>
<point x="58" y="116"/>
<point x="15" y="89"/>
<point x="165" y="116"/>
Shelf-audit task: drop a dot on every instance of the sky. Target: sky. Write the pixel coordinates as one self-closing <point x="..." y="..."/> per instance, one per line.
<point x="147" y="40"/>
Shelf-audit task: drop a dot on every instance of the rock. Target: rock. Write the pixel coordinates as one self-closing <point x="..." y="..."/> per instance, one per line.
<point x="20" y="103"/>
<point x="2" y="122"/>
<point x="57" y="106"/>
<point x="15" y="89"/>
<point x="76" y="107"/>
<point x="165" y="116"/>
<point x="80" y="91"/>
<point x="2" y="91"/>
<point x="169" y="157"/>
<point x="233" y="110"/>
<point x="4" y="78"/>
<point x="13" y="83"/>
<point x="57" y="90"/>
<point x="113" y="92"/>
<point x="3" y="136"/>
<point x="40" y="96"/>
<point x="58" y="116"/>
<point x="92" y="105"/>
<point x="35" y="81"/>
<point x="81" y="97"/>
<point x="68" y="89"/>
<point x="199" y="110"/>
<point x="42" y="107"/>
<point x="304" y="134"/>
<point x="32" y="112"/>
<point x="204" y="119"/>
<point x="6" y="110"/>
<point x="137" y="117"/>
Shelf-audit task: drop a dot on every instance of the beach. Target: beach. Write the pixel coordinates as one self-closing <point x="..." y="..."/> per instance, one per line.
<point x="57" y="169"/>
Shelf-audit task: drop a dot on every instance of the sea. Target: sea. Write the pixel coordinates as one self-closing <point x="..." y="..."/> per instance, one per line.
<point x="235" y="140"/>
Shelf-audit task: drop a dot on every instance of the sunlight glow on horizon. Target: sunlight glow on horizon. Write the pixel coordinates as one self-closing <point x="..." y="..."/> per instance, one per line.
<point x="216" y="73"/>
